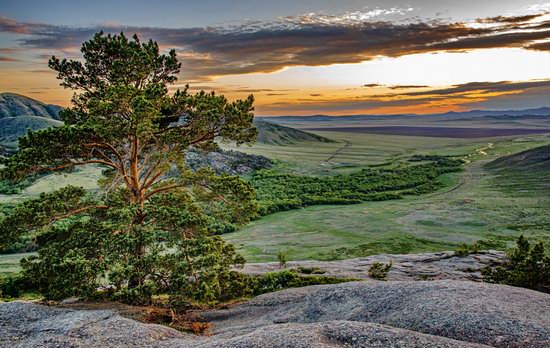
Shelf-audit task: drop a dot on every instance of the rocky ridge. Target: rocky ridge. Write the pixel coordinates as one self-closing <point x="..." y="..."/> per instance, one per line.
<point x="426" y="266"/>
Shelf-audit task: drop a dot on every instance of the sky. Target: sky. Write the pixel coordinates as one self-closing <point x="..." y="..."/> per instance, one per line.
<point x="304" y="57"/>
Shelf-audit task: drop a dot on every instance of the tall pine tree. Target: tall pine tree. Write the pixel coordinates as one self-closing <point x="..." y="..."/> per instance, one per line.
<point x="147" y="230"/>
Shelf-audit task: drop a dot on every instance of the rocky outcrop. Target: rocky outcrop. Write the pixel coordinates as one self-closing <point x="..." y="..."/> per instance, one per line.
<point x="428" y="266"/>
<point x="226" y="162"/>
<point x="382" y="314"/>
<point x="482" y="313"/>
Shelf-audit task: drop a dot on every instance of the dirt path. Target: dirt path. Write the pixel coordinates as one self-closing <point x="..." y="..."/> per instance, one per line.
<point x="347" y="144"/>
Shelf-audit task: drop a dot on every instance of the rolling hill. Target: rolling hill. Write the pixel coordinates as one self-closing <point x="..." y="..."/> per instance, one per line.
<point x="11" y="128"/>
<point x="19" y="113"/>
<point x="274" y="134"/>
<point x="532" y="160"/>
<point x="13" y="105"/>
<point x="525" y="173"/>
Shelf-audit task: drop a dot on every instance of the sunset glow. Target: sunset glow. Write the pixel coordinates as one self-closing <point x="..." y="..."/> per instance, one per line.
<point x="357" y="58"/>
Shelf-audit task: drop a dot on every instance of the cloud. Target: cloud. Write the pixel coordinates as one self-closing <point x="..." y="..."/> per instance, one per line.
<point x="542" y="46"/>
<point x="370" y="85"/>
<point x="458" y="96"/>
<point x="481" y="87"/>
<point x="8" y="59"/>
<point x="508" y="19"/>
<point x="308" y="40"/>
<point x="407" y="86"/>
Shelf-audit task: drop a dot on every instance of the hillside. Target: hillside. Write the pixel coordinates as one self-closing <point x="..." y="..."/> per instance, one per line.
<point x="524" y="174"/>
<point x="537" y="159"/>
<point x="12" y="104"/>
<point x="274" y="134"/>
<point x="11" y="128"/>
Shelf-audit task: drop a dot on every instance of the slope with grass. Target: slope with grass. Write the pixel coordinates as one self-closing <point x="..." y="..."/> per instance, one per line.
<point x="274" y="134"/>
<point x="19" y="113"/>
<point x="11" y="128"/>
<point x="12" y="105"/>
<point x="532" y="165"/>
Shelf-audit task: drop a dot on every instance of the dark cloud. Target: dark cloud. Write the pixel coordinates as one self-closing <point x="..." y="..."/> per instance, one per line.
<point x="294" y="41"/>
<point x="486" y="87"/>
<point x="8" y="59"/>
<point x="372" y="85"/>
<point x="543" y="46"/>
<point x="407" y="86"/>
<point x="509" y="19"/>
<point x="43" y="71"/>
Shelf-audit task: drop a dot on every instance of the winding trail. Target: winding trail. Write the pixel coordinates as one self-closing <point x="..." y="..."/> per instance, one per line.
<point x="347" y="144"/>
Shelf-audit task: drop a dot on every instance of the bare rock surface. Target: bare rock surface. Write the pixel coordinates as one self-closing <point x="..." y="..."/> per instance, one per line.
<point x="427" y="266"/>
<point x="495" y="315"/>
<point x="383" y="314"/>
<point x="24" y="324"/>
<point x="326" y="334"/>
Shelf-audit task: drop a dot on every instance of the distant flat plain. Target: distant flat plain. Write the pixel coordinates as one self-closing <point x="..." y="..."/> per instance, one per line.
<point x="437" y="132"/>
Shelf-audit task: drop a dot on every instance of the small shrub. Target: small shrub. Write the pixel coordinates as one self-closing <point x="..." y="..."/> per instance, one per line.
<point x="9" y="287"/>
<point x="281" y="280"/>
<point x="465" y="249"/>
<point x="200" y="328"/>
<point x="379" y="270"/>
<point x="462" y="250"/>
<point x="281" y="256"/>
<point x="309" y="270"/>
<point x="527" y="267"/>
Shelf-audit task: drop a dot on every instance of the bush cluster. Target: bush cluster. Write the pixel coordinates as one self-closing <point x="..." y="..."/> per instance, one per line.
<point x="279" y="192"/>
<point x="527" y="267"/>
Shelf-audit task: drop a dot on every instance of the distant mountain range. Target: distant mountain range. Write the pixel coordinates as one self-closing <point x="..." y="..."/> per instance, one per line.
<point x="543" y="111"/>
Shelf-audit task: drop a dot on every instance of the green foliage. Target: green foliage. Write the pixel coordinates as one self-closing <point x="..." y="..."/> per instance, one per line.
<point x="10" y="287"/>
<point x="13" y="286"/>
<point x="465" y="249"/>
<point x="279" y="192"/>
<point x="39" y="213"/>
<point x="309" y="270"/>
<point x="468" y="249"/>
<point x="149" y="228"/>
<point x="281" y="257"/>
<point x="10" y="187"/>
<point x="379" y="270"/>
<point x="527" y="267"/>
<point x="403" y="244"/>
<point x="281" y="280"/>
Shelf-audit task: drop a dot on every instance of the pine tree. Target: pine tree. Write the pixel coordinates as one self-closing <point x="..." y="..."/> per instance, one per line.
<point x="147" y="229"/>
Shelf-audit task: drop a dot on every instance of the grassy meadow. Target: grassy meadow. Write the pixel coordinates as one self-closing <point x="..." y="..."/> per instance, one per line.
<point x="476" y="204"/>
